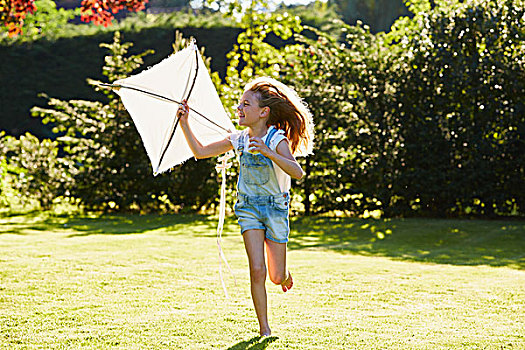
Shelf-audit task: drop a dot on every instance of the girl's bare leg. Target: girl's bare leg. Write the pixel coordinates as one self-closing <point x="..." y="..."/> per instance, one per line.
<point x="254" y="244"/>
<point x="276" y="253"/>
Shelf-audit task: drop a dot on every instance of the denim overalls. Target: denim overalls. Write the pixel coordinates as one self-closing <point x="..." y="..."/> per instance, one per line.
<point x="260" y="202"/>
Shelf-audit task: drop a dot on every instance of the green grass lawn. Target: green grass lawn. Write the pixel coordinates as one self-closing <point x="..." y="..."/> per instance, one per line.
<point x="152" y="282"/>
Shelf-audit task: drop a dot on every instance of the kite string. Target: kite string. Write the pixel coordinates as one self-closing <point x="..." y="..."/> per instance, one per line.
<point x="222" y="166"/>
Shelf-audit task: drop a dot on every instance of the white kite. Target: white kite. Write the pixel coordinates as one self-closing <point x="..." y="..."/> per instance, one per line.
<point x="152" y="98"/>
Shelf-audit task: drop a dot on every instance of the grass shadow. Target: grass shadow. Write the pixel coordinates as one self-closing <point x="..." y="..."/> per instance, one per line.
<point x="14" y="213"/>
<point x="255" y="343"/>
<point x="132" y="224"/>
<point x="457" y="242"/>
<point x="85" y="225"/>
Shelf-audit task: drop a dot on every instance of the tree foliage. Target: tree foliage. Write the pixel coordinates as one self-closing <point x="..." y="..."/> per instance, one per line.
<point x="101" y="11"/>
<point x="47" y="22"/>
<point x="14" y="12"/>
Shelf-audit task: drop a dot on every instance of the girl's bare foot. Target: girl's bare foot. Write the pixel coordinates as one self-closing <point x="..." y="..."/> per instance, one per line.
<point x="265" y="332"/>
<point x="288" y="283"/>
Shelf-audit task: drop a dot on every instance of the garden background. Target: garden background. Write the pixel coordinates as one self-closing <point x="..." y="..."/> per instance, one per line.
<point x="426" y="119"/>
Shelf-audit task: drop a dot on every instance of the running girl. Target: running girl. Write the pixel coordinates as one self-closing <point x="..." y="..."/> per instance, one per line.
<point x="279" y="128"/>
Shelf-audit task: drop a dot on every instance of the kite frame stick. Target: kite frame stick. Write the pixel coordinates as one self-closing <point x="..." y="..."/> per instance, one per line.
<point x="178" y="119"/>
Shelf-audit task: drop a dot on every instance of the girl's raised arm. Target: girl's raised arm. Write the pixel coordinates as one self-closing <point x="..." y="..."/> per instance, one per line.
<point x="200" y="151"/>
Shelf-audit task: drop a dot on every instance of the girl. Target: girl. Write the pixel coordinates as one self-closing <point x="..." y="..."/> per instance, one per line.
<point x="278" y="127"/>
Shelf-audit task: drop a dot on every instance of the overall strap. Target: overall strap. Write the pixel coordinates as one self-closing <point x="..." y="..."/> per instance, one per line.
<point x="272" y="132"/>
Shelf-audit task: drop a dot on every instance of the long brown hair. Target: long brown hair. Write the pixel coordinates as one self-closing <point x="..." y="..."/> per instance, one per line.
<point x="288" y="112"/>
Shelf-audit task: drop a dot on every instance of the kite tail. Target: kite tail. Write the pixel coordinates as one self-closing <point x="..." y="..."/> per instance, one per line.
<point x="222" y="166"/>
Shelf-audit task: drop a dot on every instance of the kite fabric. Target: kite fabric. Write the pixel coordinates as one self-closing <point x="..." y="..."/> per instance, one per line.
<point x="152" y="98"/>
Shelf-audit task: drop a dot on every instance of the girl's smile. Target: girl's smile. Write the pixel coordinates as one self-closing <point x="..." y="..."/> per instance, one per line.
<point x="248" y="110"/>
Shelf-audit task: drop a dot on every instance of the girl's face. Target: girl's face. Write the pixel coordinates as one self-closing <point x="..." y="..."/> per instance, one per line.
<point x="248" y="111"/>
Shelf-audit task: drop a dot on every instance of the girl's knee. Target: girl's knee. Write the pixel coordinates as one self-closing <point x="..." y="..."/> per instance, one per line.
<point x="258" y="273"/>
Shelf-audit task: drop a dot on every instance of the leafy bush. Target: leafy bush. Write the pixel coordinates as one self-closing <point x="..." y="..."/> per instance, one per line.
<point x="317" y="70"/>
<point x="34" y="170"/>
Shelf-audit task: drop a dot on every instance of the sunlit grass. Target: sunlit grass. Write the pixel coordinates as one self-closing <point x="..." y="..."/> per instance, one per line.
<point x="152" y="282"/>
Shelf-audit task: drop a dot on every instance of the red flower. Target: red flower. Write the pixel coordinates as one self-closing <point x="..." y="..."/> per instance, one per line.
<point x="13" y="12"/>
<point x="101" y="11"/>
